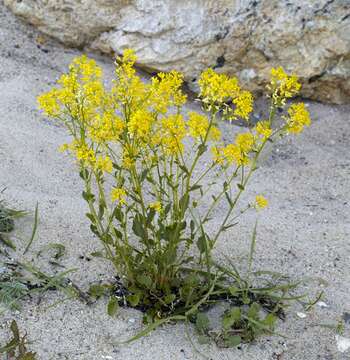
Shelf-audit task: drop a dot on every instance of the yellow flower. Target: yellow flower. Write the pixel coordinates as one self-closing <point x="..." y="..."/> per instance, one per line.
<point x="48" y="103"/>
<point x="140" y="124"/>
<point x="198" y="125"/>
<point x="128" y="88"/>
<point x="216" y="87"/>
<point x="87" y="68"/>
<point x="263" y="128"/>
<point x="261" y="202"/>
<point x="218" y="155"/>
<point x="106" y="127"/>
<point x="244" y="105"/>
<point x="157" y="206"/>
<point x="166" y="91"/>
<point x="232" y="154"/>
<point x="104" y="164"/>
<point x="118" y="195"/>
<point x="173" y="132"/>
<point x="83" y="153"/>
<point x="298" y="118"/>
<point x="214" y="134"/>
<point x="245" y="142"/>
<point x="63" y="148"/>
<point x="283" y="86"/>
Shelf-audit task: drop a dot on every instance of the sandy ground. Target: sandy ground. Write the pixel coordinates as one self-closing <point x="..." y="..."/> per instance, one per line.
<point x="304" y="232"/>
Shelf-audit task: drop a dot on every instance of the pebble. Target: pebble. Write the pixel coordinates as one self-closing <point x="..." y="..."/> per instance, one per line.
<point x="343" y="343"/>
<point x="301" y="315"/>
<point x="322" y="304"/>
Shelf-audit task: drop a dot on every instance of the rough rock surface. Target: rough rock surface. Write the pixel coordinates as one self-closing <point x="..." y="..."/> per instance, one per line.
<point x="242" y="37"/>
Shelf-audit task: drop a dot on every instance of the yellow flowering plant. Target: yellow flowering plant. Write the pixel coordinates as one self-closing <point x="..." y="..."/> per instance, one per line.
<point x="144" y="164"/>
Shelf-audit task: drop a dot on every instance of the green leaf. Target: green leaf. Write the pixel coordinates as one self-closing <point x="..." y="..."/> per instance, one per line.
<point x="184" y="202"/>
<point x="6" y="241"/>
<point x="240" y="187"/>
<point x="202" y="149"/>
<point x="233" y="290"/>
<point x="93" y="228"/>
<point x="153" y="326"/>
<point x="27" y="356"/>
<point x="145" y="280"/>
<point x="91" y="217"/>
<point x="143" y="175"/>
<point x="118" y="234"/>
<point x="35" y="226"/>
<point x="98" y="254"/>
<point x="97" y="290"/>
<point x="232" y="317"/>
<point x="202" y="322"/>
<point x="167" y="209"/>
<point x="133" y="299"/>
<point x="203" y="339"/>
<point x="15" y="331"/>
<point x="59" y="250"/>
<point x="12" y="344"/>
<point x="184" y="169"/>
<point x="112" y="306"/>
<point x="228" y="198"/>
<point x="202" y="244"/>
<point x="84" y="174"/>
<point x="150" y="216"/>
<point x="233" y="341"/>
<point x="101" y="210"/>
<point x="226" y="227"/>
<point x="169" y="298"/>
<point x="88" y="196"/>
<point x="138" y="228"/>
<point x="195" y="187"/>
<point x="118" y="214"/>
<point x="270" y="321"/>
<point x="253" y="311"/>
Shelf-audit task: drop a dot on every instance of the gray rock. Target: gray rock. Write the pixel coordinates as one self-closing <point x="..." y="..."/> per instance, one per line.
<point x="241" y="37"/>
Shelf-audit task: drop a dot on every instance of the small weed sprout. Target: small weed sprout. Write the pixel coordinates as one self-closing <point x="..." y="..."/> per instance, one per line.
<point x="144" y="164"/>
<point x="16" y="348"/>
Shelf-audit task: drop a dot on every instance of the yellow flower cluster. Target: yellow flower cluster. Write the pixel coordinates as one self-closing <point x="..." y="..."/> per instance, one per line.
<point x="140" y="116"/>
<point x="283" y="86"/>
<point x="236" y="153"/>
<point x="244" y="105"/>
<point x="105" y="127"/>
<point x="83" y="153"/>
<point x="263" y="129"/>
<point x="261" y="202"/>
<point x="198" y="126"/>
<point x="173" y="132"/>
<point x="166" y="91"/>
<point x="118" y="195"/>
<point x="128" y="90"/>
<point x="140" y="124"/>
<point x="216" y="90"/>
<point x="298" y="118"/>
<point x="157" y="206"/>
<point x="104" y="164"/>
<point x="216" y="87"/>
<point x="87" y="156"/>
<point x="83" y="82"/>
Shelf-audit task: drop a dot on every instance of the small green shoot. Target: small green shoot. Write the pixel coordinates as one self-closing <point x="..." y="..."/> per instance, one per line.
<point x="16" y="348"/>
